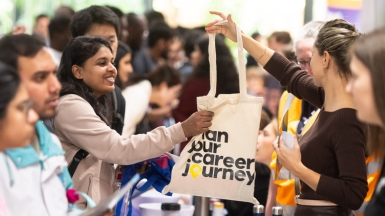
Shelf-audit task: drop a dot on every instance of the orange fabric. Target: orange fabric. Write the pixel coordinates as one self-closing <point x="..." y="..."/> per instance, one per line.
<point x="294" y="111"/>
<point x="285" y="189"/>
<point x="372" y="180"/>
<point x="285" y="192"/>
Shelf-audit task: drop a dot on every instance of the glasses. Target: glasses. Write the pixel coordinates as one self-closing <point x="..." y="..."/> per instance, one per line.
<point x="303" y="64"/>
<point x="25" y="107"/>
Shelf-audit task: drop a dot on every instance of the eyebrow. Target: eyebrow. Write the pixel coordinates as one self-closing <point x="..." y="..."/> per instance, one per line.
<point x="104" y="58"/>
<point x="38" y="73"/>
<point x="101" y="58"/>
<point x="26" y="101"/>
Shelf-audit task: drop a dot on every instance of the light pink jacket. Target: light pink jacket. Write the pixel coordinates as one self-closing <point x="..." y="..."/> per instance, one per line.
<point x="78" y="126"/>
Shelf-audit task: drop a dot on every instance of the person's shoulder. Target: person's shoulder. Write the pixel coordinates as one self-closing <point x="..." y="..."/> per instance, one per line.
<point x="344" y="116"/>
<point x="71" y="98"/>
<point x="345" y="124"/>
<point x="140" y="86"/>
<point x="55" y="140"/>
<point x="145" y="84"/>
<point x="141" y="89"/>
<point x="73" y="104"/>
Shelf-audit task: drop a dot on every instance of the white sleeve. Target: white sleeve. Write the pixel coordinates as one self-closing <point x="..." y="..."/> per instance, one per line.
<point x="137" y="100"/>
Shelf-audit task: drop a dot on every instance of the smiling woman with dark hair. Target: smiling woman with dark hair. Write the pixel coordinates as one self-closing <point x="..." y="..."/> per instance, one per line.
<point x="87" y="74"/>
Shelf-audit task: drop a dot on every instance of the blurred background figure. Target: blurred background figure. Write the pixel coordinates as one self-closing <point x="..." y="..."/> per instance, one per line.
<point x="60" y="34"/>
<point x="278" y="41"/>
<point x="176" y="54"/>
<point x="190" y="38"/>
<point x="153" y="16"/>
<point x="256" y="81"/>
<point x="40" y="28"/>
<point x="137" y="30"/>
<point x="250" y="61"/>
<point x="64" y="11"/>
<point x="123" y="64"/>
<point x="159" y="40"/>
<point x="17" y="118"/>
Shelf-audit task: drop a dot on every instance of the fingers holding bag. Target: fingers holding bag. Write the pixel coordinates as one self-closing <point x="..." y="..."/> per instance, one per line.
<point x="199" y="122"/>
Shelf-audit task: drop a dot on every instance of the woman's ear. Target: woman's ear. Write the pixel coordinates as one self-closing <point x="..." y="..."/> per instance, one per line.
<point x="77" y="71"/>
<point x="326" y="59"/>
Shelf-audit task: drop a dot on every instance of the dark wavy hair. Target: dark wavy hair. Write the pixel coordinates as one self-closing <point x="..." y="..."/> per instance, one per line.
<point x="9" y="84"/>
<point x="84" y="19"/>
<point x="228" y="80"/>
<point x="164" y="73"/>
<point x="77" y="52"/>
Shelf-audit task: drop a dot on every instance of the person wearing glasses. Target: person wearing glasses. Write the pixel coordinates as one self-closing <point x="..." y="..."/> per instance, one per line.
<point x="34" y="177"/>
<point x="17" y="118"/>
<point x="17" y="122"/>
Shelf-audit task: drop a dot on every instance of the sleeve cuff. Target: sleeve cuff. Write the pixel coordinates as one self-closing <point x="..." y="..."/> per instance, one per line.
<point x="177" y="134"/>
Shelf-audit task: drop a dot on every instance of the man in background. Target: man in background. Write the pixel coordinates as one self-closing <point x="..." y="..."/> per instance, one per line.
<point x="60" y="35"/>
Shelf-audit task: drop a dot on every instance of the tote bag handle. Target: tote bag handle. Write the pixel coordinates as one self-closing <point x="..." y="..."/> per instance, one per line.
<point x="213" y="65"/>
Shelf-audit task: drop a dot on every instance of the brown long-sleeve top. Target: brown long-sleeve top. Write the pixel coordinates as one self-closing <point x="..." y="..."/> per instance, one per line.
<point x="334" y="146"/>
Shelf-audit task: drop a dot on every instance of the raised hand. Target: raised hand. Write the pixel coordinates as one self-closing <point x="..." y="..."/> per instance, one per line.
<point x="199" y="122"/>
<point x="228" y="30"/>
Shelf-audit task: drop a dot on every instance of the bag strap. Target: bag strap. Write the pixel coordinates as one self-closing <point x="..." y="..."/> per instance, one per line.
<point x="213" y="65"/>
<point x="80" y="155"/>
<point x="289" y="101"/>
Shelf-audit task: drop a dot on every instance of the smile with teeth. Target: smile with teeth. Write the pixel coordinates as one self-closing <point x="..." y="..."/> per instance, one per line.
<point x="111" y="79"/>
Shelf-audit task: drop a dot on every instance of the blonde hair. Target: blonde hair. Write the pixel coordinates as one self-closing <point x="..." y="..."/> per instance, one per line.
<point x="274" y="122"/>
<point x="256" y="72"/>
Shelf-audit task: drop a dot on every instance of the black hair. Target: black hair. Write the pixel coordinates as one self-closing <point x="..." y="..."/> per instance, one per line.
<point x="58" y="25"/>
<point x="281" y="37"/>
<point x="191" y="38"/>
<point x="228" y="81"/>
<point x="84" y="19"/>
<point x="161" y="73"/>
<point x="77" y="52"/>
<point x="255" y="34"/>
<point x="64" y="11"/>
<point x="153" y="16"/>
<point x="9" y="84"/>
<point x="40" y="16"/>
<point x="123" y="49"/>
<point x="116" y="10"/>
<point x="14" y="46"/>
<point x="164" y="73"/>
<point x="158" y="32"/>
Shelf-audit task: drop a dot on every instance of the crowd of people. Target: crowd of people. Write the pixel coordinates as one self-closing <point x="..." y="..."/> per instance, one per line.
<point x="95" y="88"/>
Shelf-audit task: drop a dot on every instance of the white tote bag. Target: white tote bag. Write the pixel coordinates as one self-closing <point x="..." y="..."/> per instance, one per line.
<point x="220" y="163"/>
